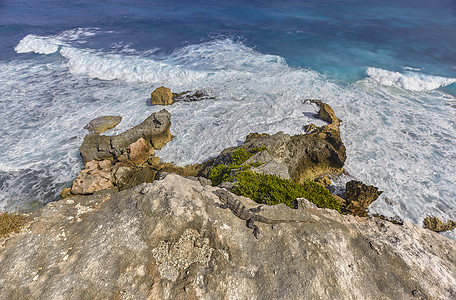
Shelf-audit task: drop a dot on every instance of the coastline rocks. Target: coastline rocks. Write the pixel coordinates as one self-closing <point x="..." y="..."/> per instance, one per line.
<point x="140" y="151"/>
<point x="435" y="224"/>
<point x="155" y="130"/>
<point x="161" y="96"/>
<point x="359" y="197"/>
<point x="169" y="240"/>
<point x="96" y="176"/>
<point x="190" y="96"/>
<point x="325" y="113"/>
<point x="102" y="124"/>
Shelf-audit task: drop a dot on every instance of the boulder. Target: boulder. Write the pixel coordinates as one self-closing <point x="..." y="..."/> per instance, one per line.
<point x="273" y="168"/>
<point x="359" y="197"/>
<point x="161" y="96"/>
<point x="126" y="176"/>
<point x="435" y="224"/>
<point x="169" y="240"/>
<point x="154" y="130"/>
<point x="140" y="151"/>
<point x="102" y="124"/>
<point x="96" y="176"/>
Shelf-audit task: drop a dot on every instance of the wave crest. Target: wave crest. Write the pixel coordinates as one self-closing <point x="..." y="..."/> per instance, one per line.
<point x="412" y="81"/>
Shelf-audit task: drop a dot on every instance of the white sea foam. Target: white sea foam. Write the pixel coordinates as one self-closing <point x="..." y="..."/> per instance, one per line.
<point x="412" y="81"/>
<point x="38" y="44"/>
<point x="402" y="142"/>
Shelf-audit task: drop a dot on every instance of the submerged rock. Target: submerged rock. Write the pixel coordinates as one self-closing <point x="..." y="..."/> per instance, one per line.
<point x="169" y="240"/>
<point x="359" y="197"/>
<point x="435" y="224"/>
<point x="161" y="96"/>
<point x="155" y="130"/>
<point x="190" y="96"/>
<point x="102" y="124"/>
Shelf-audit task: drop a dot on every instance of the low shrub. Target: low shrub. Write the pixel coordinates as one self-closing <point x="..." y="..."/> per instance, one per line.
<point x="271" y="190"/>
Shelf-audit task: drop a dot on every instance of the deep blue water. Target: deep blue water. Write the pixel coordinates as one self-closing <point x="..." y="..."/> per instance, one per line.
<point x="387" y="67"/>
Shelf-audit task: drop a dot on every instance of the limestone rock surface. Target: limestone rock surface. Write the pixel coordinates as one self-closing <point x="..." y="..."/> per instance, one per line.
<point x="161" y="96"/>
<point x="102" y="124"/>
<point x="96" y="176"/>
<point x="168" y="240"/>
<point x="155" y="130"/>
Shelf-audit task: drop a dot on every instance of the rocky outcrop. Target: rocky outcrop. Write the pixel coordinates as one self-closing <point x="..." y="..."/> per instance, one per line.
<point x="102" y="124"/>
<point x="168" y="240"/>
<point x="161" y="96"/>
<point x="96" y="176"/>
<point x="154" y="130"/>
<point x="306" y="156"/>
<point x="435" y="224"/>
<point x="358" y="197"/>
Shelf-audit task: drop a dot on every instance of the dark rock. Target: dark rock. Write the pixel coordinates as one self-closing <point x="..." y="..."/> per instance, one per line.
<point x="161" y="96"/>
<point x="359" y="197"/>
<point x="127" y="176"/>
<point x="102" y="124"/>
<point x="189" y="96"/>
<point x="435" y="224"/>
<point x="155" y="130"/>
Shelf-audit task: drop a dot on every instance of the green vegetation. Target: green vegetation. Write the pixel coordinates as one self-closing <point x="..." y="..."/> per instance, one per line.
<point x="222" y="172"/>
<point x="10" y="222"/>
<point x="271" y="190"/>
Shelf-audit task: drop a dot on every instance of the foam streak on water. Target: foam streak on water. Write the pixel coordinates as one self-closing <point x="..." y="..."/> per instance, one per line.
<point x="400" y="140"/>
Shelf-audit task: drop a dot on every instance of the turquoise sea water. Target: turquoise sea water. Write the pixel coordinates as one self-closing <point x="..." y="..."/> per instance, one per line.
<point x="387" y="67"/>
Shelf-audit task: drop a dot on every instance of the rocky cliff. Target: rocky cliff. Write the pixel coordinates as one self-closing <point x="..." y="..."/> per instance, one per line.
<point x="169" y="240"/>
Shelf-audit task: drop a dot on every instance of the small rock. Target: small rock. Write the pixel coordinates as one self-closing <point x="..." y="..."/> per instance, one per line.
<point x="326" y="113"/>
<point x="140" y="151"/>
<point x="102" y="124"/>
<point x="161" y="96"/>
<point x="435" y="224"/>
<point x="66" y="193"/>
<point x="324" y="181"/>
<point x="189" y="96"/>
<point x="310" y="127"/>
<point x="96" y="176"/>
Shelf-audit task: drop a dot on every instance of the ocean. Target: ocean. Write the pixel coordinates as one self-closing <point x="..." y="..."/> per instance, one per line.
<point x="386" y="67"/>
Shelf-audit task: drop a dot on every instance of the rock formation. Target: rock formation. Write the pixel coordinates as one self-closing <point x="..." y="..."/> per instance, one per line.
<point x="96" y="176"/>
<point x="190" y="96"/>
<point x="161" y="96"/>
<point x="359" y="196"/>
<point x="155" y="130"/>
<point x="435" y="224"/>
<point x="102" y="124"/>
<point x="168" y="240"/>
<point x="318" y="153"/>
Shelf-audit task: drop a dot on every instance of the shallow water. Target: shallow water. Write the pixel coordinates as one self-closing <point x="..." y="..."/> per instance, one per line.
<point x="386" y="69"/>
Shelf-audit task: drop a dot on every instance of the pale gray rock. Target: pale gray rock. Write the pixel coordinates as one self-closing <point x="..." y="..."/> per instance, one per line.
<point x="169" y="240"/>
<point x="273" y="168"/>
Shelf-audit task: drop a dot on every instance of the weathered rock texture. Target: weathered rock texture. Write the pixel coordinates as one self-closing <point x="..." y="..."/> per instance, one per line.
<point x="96" y="176"/>
<point x="435" y="224"/>
<point x="168" y="240"/>
<point x="190" y="96"/>
<point x="161" y="96"/>
<point x="102" y="124"/>
<point x="306" y="156"/>
<point x="155" y="130"/>
<point x="359" y="196"/>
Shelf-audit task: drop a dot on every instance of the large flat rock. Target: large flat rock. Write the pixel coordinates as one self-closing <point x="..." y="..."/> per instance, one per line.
<point x="168" y="240"/>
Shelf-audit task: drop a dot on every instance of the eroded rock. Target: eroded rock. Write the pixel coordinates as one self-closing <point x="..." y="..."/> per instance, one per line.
<point x="359" y="197"/>
<point x="102" y="124"/>
<point x="169" y="240"/>
<point x="435" y="224"/>
<point x="161" y="96"/>
<point x="155" y="130"/>
<point x="140" y="151"/>
<point x="96" y="176"/>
